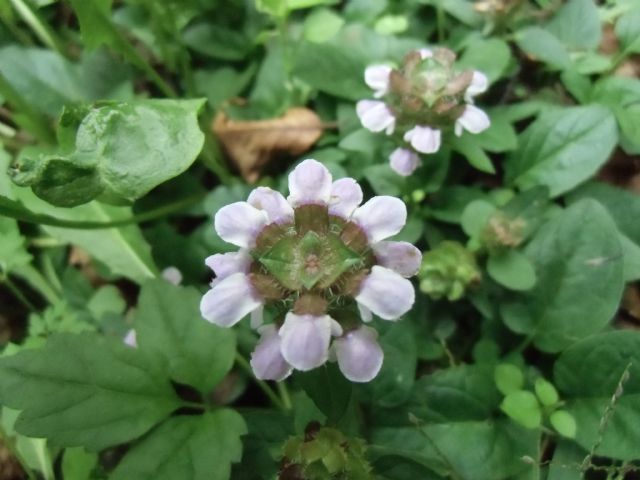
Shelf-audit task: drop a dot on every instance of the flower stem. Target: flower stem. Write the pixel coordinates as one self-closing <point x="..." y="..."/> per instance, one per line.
<point x="284" y="395"/>
<point x="18" y="294"/>
<point x="244" y="365"/>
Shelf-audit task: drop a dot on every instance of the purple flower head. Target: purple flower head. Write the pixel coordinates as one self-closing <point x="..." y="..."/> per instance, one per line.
<point x="325" y="258"/>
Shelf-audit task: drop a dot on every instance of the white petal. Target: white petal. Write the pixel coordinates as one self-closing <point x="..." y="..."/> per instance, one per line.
<point x="381" y="217"/>
<point x="377" y="77"/>
<point x="257" y="317"/>
<point x="424" y="139"/>
<point x="267" y="361"/>
<point x="479" y="84"/>
<point x="336" y="329"/>
<point x="375" y="116"/>
<point x="229" y="300"/>
<point x="225" y="264"/>
<point x="365" y="313"/>
<point x="401" y="257"/>
<point x="425" y="53"/>
<point x="346" y="195"/>
<point x="404" y="161"/>
<point x="131" y="338"/>
<point x="172" y="275"/>
<point x="474" y="120"/>
<point x="309" y="182"/>
<point x="458" y="128"/>
<point x="305" y="340"/>
<point x="240" y="223"/>
<point x="272" y="202"/>
<point x="386" y="293"/>
<point x="359" y="355"/>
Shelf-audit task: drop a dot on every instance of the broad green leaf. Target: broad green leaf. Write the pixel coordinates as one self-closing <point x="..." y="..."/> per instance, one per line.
<point x="168" y="321"/>
<point x="574" y="253"/>
<point x="588" y="375"/>
<point x="512" y="269"/>
<point x="492" y="450"/>
<point x="577" y="24"/>
<point x="95" y="26"/>
<point x="217" y="41"/>
<point x="194" y="447"/>
<point x="589" y="63"/>
<point x="563" y="148"/>
<point x="122" y="151"/>
<point x="475" y="217"/>
<point x="628" y="31"/>
<point x="509" y="378"/>
<point x="222" y="84"/>
<point x="470" y="148"/>
<point x="329" y="390"/>
<point x="522" y="406"/>
<point x="544" y="46"/>
<point x="86" y="390"/>
<point x="13" y="251"/>
<point x="500" y="136"/>
<point x="321" y="25"/>
<point x="490" y="56"/>
<point x="77" y="463"/>
<point x="566" y="462"/>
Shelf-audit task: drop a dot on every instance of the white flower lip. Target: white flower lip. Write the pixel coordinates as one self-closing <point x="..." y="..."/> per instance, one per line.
<point x="359" y="355"/>
<point x="401" y="257"/>
<point x="346" y="195"/>
<point x="381" y="217"/>
<point x="229" y="300"/>
<point x="479" y="84"/>
<point x="239" y="223"/>
<point x="377" y="78"/>
<point x="225" y="264"/>
<point x="404" y="161"/>
<point x="473" y="120"/>
<point x="386" y="293"/>
<point x="309" y="183"/>
<point x="273" y="203"/>
<point x="376" y="116"/>
<point x="267" y="361"/>
<point x="424" y="139"/>
<point x="305" y="340"/>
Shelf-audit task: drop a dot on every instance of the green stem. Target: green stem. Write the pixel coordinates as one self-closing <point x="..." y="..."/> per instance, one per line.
<point x="211" y="156"/>
<point x="34" y="278"/>
<point x="15" y="210"/>
<point x="441" y="18"/>
<point x="18" y="294"/>
<point x="50" y="272"/>
<point x="244" y="365"/>
<point x="284" y="395"/>
<point x="45" y="33"/>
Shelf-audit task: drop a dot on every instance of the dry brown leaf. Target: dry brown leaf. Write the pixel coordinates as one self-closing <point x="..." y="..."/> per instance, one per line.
<point x="251" y="145"/>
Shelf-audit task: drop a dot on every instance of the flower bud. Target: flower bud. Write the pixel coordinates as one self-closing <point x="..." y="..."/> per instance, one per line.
<point x="447" y="271"/>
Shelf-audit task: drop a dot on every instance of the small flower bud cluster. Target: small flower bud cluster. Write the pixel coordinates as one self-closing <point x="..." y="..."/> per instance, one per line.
<point x="419" y="100"/>
<point x="321" y="261"/>
<point x="448" y="270"/>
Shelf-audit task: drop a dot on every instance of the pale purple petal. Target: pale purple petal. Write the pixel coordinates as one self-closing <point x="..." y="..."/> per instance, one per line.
<point x="377" y="77"/>
<point x="267" y="361"/>
<point x="359" y="354"/>
<point x="257" y="317"/>
<point x="381" y="217"/>
<point x="272" y="202"/>
<point x="336" y="329"/>
<point x="424" y="139"/>
<point x="230" y="300"/>
<point x="425" y="53"/>
<point x="172" y="275"/>
<point x="309" y="182"/>
<point x="365" y="313"/>
<point x="458" y="129"/>
<point x="131" y="338"/>
<point x="386" y="293"/>
<point x="401" y="257"/>
<point x="375" y="116"/>
<point x="225" y="264"/>
<point x="346" y="195"/>
<point x="404" y="161"/>
<point x="305" y="340"/>
<point x="240" y="223"/>
<point x="473" y="119"/>
<point x="479" y="84"/>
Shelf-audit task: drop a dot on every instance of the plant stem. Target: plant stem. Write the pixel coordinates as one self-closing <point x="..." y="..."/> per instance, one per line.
<point x="34" y="278"/>
<point x="18" y="294"/>
<point x="284" y="395"/>
<point x="45" y="33"/>
<point x="244" y="365"/>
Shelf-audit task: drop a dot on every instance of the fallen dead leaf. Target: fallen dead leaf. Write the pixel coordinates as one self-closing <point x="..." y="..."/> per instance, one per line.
<point x="251" y="145"/>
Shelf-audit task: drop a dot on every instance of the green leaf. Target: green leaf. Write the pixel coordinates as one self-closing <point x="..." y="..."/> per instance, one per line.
<point x="628" y="32"/>
<point x="77" y="464"/>
<point x="500" y="136"/>
<point x="122" y="151"/>
<point x="222" y="84"/>
<point x="588" y="375"/>
<point x="86" y="390"/>
<point x="217" y="41"/>
<point x="512" y="269"/>
<point x="194" y="447"/>
<point x="563" y="148"/>
<point x="522" y="406"/>
<point x="13" y="251"/>
<point x="470" y="148"/>
<point x="475" y="217"/>
<point x="546" y="392"/>
<point x="168" y="321"/>
<point x="577" y="24"/>
<point x="320" y="25"/>
<point x="544" y="46"/>
<point x="508" y="378"/>
<point x="564" y="423"/>
<point x="490" y="56"/>
<point x="573" y="254"/>
<point x="329" y="390"/>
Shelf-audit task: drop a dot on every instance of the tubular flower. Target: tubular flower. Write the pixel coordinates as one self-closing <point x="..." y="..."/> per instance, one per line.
<point x="320" y="260"/>
<point x="420" y="100"/>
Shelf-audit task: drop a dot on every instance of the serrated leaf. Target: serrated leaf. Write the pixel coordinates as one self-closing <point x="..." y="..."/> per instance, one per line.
<point x="168" y="321"/>
<point x="563" y="148"/>
<point x="193" y="447"/>
<point x="86" y="390"/>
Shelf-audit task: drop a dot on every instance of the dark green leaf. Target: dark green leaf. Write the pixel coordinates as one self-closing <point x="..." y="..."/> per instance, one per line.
<point x="490" y="56"/>
<point x="577" y="24"/>
<point x="544" y="46"/>
<point x="512" y="269"/>
<point x="508" y="378"/>
<point x="329" y="390"/>
<point x="522" y="406"/>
